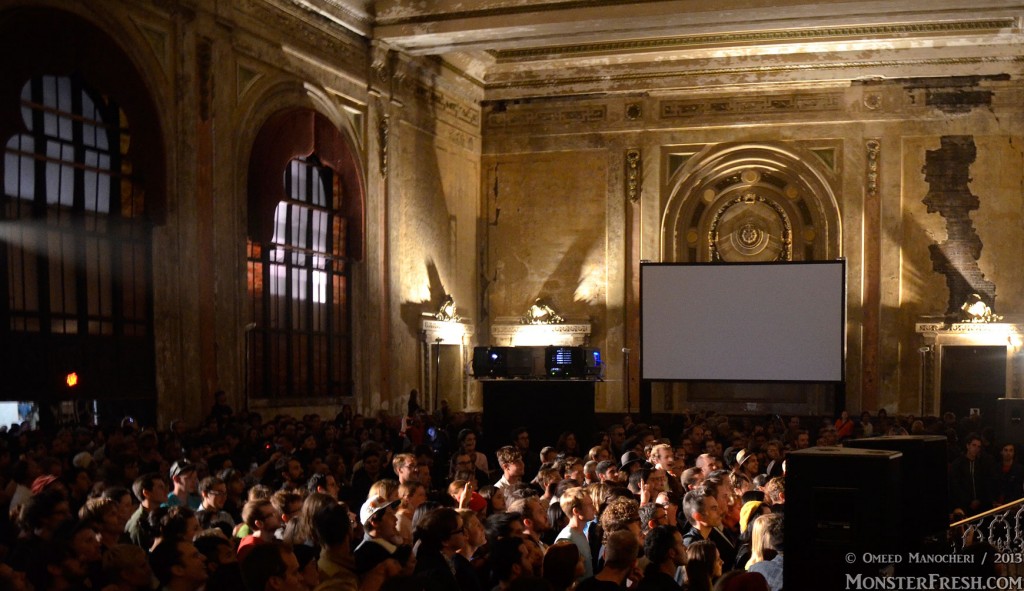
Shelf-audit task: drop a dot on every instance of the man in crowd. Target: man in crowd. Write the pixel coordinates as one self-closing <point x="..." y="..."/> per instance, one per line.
<point x="406" y="468"/>
<point x="178" y="565"/>
<point x="512" y="468"/>
<point x="271" y="567"/>
<point x="972" y="479"/>
<point x="381" y="526"/>
<point x="579" y="508"/>
<point x="702" y="511"/>
<point x="184" y="480"/>
<point x="664" y="548"/>
<point x="151" y="491"/>
<point x="263" y="521"/>
<point x="535" y="519"/>
<point x="214" y="494"/>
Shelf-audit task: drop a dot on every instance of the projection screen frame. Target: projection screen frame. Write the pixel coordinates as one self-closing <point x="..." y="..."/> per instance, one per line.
<point x="842" y="305"/>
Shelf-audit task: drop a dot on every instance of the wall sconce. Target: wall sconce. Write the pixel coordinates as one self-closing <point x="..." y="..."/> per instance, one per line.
<point x="976" y="311"/>
<point x="541" y="313"/>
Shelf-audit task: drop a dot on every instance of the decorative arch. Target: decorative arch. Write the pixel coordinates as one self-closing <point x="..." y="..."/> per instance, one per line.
<point x="751" y="202"/>
<point x="97" y="319"/>
<point x="297" y="133"/>
<point x="37" y="41"/>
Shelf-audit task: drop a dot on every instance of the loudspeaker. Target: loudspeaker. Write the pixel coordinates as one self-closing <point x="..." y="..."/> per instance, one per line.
<point x="1010" y="423"/>
<point x="503" y="362"/>
<point x="839" y="501"/>
<point x="925" y="499"/>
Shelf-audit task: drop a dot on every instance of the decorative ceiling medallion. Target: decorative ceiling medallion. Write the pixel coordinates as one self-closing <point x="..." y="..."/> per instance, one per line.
<point x="750" y="228"/>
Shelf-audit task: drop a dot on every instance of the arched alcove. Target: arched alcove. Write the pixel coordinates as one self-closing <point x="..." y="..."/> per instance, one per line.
<point x="751" y="203"/>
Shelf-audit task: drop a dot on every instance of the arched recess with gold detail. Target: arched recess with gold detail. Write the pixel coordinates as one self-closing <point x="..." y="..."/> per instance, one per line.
<point x="751" y="202"/>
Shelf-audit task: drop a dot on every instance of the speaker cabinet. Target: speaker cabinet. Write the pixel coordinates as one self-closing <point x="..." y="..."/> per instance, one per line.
<point x="1010" y="423"/>
<point x="925" y="501"/>
<point x="839" y="501"/>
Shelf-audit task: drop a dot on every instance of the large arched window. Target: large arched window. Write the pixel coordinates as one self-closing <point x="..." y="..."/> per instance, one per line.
<point x="76" y="246"/>
<point x="83" y="174"/>
<point x="77" y="253"/>
<point x="305" y="231"/>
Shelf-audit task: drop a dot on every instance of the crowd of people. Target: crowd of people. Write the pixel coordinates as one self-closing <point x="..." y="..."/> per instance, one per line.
<point x="426" y="501"/>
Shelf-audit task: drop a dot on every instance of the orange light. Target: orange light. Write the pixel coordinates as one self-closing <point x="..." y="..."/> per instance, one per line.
<point x="72" y="380"/>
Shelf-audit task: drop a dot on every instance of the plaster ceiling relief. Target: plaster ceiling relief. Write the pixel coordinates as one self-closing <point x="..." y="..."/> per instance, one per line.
<point x="524" y="48"/>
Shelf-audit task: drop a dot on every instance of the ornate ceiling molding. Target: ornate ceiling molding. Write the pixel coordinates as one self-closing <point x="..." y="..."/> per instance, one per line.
<point x="809" y="35"/>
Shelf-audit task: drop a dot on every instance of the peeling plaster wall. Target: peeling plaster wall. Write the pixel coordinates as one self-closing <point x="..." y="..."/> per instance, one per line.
<point x="886" y="230"/>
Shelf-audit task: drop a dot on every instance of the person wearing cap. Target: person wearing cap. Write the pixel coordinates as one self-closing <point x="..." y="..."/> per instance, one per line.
<point x="184" y="480"/>
<point x="748" y="514"/>
<point x="746" y="463"/>
<point x="380" y="524"/>
<point x="630" y="462"/>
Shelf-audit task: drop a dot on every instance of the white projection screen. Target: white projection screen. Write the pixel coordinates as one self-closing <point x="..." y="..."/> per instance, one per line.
<point x="749" y="322"/>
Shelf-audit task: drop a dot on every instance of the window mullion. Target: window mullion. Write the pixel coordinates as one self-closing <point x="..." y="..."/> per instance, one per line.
<point x="79" y="220"/>
<point x="38" y="218"/>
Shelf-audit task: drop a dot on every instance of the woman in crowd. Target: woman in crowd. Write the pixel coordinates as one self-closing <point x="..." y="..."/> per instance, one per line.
<point x="703" y="565"/>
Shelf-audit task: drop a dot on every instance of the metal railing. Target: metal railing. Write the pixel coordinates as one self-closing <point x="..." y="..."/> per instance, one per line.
<point x="1002" y="527"/>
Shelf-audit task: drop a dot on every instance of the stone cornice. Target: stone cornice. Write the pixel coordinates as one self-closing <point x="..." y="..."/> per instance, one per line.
<point x="605" y="77"/>
<point x="808" y="35"/>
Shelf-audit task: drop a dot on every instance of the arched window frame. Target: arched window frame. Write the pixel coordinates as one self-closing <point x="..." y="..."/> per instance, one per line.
<point x="299" y="344"/>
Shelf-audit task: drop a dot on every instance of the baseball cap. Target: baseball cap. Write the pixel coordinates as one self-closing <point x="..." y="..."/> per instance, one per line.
<point x="373" y="506"/>
<point x="40" y="483"/>
<point x="181" y="467"/>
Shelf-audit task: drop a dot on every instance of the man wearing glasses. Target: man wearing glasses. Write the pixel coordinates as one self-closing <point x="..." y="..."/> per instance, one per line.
<point x="214" y="493"/>
<point x="406" y="468"/>
<point x="263" y="521"/>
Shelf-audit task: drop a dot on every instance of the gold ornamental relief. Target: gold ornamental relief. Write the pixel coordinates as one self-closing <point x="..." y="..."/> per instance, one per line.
<point x="750" y="228"/>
